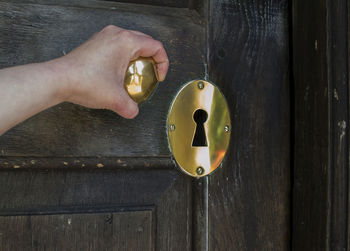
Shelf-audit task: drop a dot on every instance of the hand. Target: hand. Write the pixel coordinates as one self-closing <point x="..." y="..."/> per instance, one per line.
<point x="94" y="72"/>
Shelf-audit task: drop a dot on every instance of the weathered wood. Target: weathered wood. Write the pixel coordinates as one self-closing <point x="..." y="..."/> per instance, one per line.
<point x="61" y="191"/>
<point x="119" y="5"/>
<point x="147" y="163"/>
<point x="33" y="33"/>
<point x="44" y="192"/>
<point x="248" y="59"/>
<point x="104" y="231"/>
<point x="321" y="168"/>
<point x="311" y="156"/>
<point x="170" y="3"/>
<point x="201" y="6"/>
<point x="174" y="220"/>
<point x="247" y="207"/>
<point x="158" y="6"/>
<point x="339" y="149"/>
<point x="200" y="214"/>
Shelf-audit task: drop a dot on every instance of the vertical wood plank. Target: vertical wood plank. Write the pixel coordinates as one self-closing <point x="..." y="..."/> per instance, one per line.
<point x="311" y="155"/>
<point x="249" y="204"/>
<point x="339" y="100"/>
<point x="321" y="152"/>
<point x="174" y="220"/>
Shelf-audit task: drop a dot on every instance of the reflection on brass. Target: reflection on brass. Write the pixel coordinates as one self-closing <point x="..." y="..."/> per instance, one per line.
<point x="199" y="161"/>
<point x="141" y="79"/>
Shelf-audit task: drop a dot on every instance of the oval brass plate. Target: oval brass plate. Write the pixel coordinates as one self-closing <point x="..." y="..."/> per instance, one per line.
<point x="199" y="157"/>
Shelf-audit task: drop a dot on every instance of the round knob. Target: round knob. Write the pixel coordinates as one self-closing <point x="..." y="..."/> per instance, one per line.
<point x="141" y="79"/>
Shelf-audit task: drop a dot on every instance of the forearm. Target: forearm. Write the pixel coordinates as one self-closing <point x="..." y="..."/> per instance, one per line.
<point x="92" y="75"/>
<point x="27" y="90"/>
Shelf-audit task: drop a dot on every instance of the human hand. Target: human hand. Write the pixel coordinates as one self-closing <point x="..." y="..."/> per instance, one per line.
<point x="94" y="72"/>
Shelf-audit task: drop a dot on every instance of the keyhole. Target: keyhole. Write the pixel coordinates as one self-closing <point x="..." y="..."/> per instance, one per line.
<point x="200" y="138"/>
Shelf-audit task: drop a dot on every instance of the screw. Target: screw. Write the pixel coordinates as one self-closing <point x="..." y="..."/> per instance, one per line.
<point x="200" y="170"/>
<point x="172" y="127"/>
<point x="200" y="85"/>
<point x="227" y="128"/>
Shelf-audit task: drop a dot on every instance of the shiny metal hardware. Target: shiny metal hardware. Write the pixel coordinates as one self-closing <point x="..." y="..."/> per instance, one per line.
<point x="199" y="128"/>
<point x="141" y="79"/>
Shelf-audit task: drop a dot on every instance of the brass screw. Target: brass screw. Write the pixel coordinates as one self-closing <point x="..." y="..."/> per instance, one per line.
<point x="200" y="85"/>
<point x="172" y="127"/>
<point x="227" y="128"/>
<point x="200" y="170"/>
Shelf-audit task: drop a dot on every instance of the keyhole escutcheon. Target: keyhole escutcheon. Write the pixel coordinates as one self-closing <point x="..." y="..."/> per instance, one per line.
<point x="200" y="137"/>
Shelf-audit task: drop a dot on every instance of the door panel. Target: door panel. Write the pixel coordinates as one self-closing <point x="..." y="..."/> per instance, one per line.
<point x="164" y="197"/>
<point x="36" y="32"/>
<point x="70" y="162"/>
<point x="86" y="163"/>
<point x="105" y="231"/>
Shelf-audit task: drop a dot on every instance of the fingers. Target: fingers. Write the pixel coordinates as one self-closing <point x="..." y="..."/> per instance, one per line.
<point x="145" y="46"/>
<point x="140" y="33"/>
<point x="148" y="47"/>
<point x="162" y="61"/>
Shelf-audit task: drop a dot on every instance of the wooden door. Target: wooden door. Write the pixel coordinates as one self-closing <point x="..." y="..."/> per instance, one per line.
<point x="321" y="209"/>
<point x="74" y="178"/>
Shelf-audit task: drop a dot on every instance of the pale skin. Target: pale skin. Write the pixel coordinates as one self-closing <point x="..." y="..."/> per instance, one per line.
<point x="92" y="75"/>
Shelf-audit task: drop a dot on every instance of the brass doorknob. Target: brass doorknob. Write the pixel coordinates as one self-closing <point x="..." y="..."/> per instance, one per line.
<point x="141" y="79"/>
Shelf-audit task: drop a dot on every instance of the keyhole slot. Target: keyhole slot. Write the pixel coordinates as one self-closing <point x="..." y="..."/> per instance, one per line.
<point x="200" y="138"/>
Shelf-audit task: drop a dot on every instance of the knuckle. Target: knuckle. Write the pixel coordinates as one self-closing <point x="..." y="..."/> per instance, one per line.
<point x="127" y="37"/>
<point x="125" y="34"/>
<point x="158" y="44"/>
<point x="109" y="28"/>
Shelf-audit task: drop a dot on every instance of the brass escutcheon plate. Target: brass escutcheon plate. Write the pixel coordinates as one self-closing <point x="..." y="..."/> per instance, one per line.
<point x="195" y="160"/>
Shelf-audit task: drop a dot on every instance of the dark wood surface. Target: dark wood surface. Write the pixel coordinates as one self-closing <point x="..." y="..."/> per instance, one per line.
<point x="92" y="166"/>
<point x="79" y="162"/>
<point x="321" y="152"/>
<point x="170" y="3"/>
<point x="248" y="59"/>
<point x="69" y="163"/>
<point x="106" y="164"/>
<point x="58" y="191"/>
<point x="71" y="232"/>
<point x="28" y="195"/>
<point x="37" y="32"/>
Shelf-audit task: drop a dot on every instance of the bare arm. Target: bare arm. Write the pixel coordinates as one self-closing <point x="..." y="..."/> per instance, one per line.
<point x="92" y="75"/>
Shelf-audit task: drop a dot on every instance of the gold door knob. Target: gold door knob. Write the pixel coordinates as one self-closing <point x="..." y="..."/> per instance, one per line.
<point x="141" y="79"/>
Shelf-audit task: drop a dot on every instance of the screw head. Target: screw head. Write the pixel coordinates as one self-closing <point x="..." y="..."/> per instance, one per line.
<point x="200" y="85"/>
<point x="200" y="170"/>
<point x="172" y="127"/>
<point x="227" y="128"/>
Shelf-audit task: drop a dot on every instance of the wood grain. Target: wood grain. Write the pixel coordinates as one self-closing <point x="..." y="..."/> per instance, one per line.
<point x="170" y="3"/>
<point x="166" y="194"/>
<point x="139" y="3"/>
<point x="104" y="231"/>
<point x="37" y="32"/>
<point x="249" y="204"/>
<point x="248" y="201"/>
<point x="32" y="191"/>
<point x="128" y="163"/>
<point x="321" y="168"/>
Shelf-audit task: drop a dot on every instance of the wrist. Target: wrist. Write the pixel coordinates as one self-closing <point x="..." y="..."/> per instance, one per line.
<point x="59" y="69"/>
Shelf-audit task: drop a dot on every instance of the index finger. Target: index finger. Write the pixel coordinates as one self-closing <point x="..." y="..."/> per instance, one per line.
<point x="148" y="47"/>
